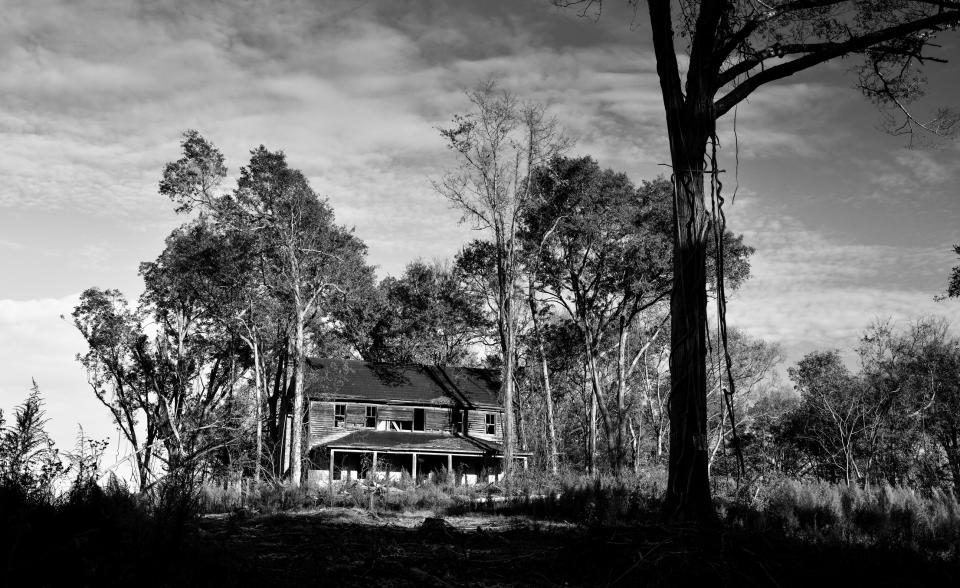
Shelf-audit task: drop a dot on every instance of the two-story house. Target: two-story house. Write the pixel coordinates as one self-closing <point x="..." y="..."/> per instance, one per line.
<point x="418" y="419"/>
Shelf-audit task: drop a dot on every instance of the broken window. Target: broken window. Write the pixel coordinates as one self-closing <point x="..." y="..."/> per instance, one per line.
<point x="339" y="415"/>
<point x="393" y="425"/>
<point x="491" y="424"/>
<point x="418" y="419"/>
<point x="371" y="417"/>
<point x="459" y="421"/>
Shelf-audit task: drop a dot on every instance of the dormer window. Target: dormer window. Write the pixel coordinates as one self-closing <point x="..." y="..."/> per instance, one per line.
<point x="459" y="421"/>
<point x="491" y="424"/>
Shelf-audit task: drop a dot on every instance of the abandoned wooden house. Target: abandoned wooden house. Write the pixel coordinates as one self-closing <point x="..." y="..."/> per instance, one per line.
<point x="384" y="420"/>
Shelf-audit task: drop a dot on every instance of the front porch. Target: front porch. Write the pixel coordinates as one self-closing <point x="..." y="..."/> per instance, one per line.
<point x="391" y="456"/>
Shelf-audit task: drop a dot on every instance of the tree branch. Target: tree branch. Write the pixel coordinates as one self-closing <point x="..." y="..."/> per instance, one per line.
<point x="828" y="51"/>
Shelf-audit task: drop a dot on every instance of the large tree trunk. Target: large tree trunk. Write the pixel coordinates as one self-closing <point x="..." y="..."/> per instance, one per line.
<point x="691" y="122"/>
<point x="145" y="462"/>
<point x="620" y="455"/>
<point x="296" y="432"/>
<point x="635" y="436"/>
<point x="545" y="380"/>
<point x="592" y="440"/>
<point x="507" y="346"/>
<point x="508" y="420"/>
<point x="277" y="408"/>
<point x="258" y="387"/>
<point x="598" y="403"/>
<point x="520" y="423"/>
<point x="688" y="485"/>
<point x="506" y="325"/>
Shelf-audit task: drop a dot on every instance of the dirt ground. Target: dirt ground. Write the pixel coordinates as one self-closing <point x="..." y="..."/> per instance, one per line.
<point x="347" y="547"/>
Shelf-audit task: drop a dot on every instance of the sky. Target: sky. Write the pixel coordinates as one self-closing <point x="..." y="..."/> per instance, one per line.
<point x="850" y="225"/>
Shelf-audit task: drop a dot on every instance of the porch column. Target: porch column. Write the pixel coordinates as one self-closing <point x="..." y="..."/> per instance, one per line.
<point x="413" y="470"/>
<point x="332" y="452"/>
<point x="373" y="467"/>
<point x="450" y="467"/>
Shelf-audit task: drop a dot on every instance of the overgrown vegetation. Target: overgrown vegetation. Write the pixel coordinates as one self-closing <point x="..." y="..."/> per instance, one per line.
<point x="819" y="512"/>
<point x="569" y="296"/>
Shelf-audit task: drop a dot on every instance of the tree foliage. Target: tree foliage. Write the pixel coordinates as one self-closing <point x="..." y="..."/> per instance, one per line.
<point x="732" y="48"/>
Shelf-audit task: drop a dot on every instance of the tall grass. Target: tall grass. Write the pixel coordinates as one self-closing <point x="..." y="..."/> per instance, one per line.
<point x="811" y="511"/>
<point x="574" y="497"/>
<point x="277" y="496"/>
<point x="91" y="535"/>
<point x="879" y="515"/>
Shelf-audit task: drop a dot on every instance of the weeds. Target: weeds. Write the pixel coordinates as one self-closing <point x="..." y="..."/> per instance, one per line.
<point x="819" y="513"/>
<point x="881" y="516"/>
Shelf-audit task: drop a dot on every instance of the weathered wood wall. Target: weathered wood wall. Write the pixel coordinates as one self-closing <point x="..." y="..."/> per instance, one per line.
<point x="477" y="420"/>
<point x="322" y="429"/>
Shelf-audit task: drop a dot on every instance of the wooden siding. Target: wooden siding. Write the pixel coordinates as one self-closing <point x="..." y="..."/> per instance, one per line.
<point x="321" y="420"/>
<point x="477" y="422"/>
<point x="437" y="419"/>
<point x="356" y="415"/>
<point x="395" y="413"/>
<point x="320" y="423"/>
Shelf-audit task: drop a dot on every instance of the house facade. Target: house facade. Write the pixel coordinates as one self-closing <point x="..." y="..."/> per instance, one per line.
<point x="390" y="420"/>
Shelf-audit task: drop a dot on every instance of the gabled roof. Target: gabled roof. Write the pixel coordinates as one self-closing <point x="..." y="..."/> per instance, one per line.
<point x="405" y="384"/>
<point x="415" y="442"/>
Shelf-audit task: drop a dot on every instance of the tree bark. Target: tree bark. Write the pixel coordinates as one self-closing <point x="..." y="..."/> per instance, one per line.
<point x="507" y="347"/>
<point x="691" y="121"/>
<point x="620" y="454"/>
<point x="545" y="380"/>
<point x="592" y="441"/>
<point x="635" y="434"/>
<point x="688" y="485"/>
<point x="296" y="433"/>
<point x="258" y="386"/>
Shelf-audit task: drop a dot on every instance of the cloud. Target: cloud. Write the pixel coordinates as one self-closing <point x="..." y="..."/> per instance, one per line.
<point x="810" y="290"/>
<point x="776" y="121"/>
<point x="94" y="96"/>
<point x="37" y="344"/>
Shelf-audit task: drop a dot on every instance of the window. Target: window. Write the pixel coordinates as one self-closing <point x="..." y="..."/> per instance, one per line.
<point x="418" y="419"/>
<point x="339" y="415"/>
<point x="394" y="425"/>
<point x="459" y="421"/>
<point x="491" y="424"/>
<point x="371" y="417"/>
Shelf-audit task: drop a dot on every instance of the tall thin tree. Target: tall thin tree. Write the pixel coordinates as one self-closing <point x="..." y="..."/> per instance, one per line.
<point x="498" y="145"/>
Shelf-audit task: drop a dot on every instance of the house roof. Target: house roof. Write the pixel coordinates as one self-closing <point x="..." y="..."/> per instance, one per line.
<point x="414" y="442"/>
<point x="414" y="384"/>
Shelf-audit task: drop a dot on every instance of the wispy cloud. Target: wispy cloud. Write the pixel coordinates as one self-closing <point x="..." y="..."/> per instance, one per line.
<point x="810" y="290"/>
<point x="353" y="93"/>
<point x="94" y="95"/>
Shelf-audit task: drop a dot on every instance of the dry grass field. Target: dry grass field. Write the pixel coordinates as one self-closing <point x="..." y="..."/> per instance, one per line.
<point x="352" y="547"/>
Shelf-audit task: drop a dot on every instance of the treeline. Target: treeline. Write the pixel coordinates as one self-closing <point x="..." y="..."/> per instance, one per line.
<point x="895" y="420"/>
<point x="568" y="294"/>
<point x="207" y="369"/>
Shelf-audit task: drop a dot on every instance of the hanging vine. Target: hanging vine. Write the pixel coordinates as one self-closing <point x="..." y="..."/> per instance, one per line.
<point x="719" y="226"/>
